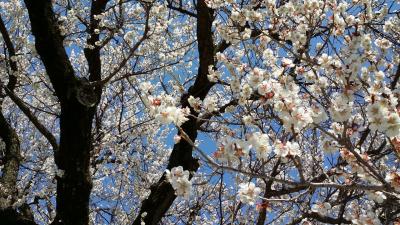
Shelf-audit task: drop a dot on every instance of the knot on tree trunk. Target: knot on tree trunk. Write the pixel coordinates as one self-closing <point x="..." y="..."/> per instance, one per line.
<point x="86" y="94"/>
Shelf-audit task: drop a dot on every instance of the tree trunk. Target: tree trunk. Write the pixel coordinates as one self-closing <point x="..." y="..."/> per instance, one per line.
<point x="74" y="183"/>
<point x="78" y="102"/>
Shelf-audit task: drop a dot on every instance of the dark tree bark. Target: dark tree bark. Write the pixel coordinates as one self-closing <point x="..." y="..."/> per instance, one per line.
<point x="162" y="194"/>
<point x="78" y="102"/>
<point x="12" y="80"/>
<point x="11" y="152"/>
<point x="11" y="161"/>
<point x="10" y="216"/>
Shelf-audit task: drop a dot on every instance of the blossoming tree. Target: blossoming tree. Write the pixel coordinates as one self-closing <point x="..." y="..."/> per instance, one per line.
<point x="200" y="112"/>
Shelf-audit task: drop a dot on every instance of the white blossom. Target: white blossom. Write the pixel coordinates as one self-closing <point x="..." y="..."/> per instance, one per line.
<point x="248" y="193"/>
<point x="322" y="208"/>
<point x="179" y="180"/>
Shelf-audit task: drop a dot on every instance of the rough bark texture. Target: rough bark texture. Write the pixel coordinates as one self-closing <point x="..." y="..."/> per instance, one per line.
<point x="73" y="189"/>
<point x="78" y="106"/>
<point x="11" y="153"/>
<point x="10" y="216"/>
<point x="11" y="162"/>
<point x="162" y="194"/>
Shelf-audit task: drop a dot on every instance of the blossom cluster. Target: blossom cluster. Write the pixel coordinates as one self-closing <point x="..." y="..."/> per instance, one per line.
<point x="209" y="104"/>
<point x="321" y="208"/>
<point x="383" y="117"/>
<point x="231" y="149"/>
<point x="179" y="179"/>
<point x="248" y="193"/>
<point x="165" y="111"/>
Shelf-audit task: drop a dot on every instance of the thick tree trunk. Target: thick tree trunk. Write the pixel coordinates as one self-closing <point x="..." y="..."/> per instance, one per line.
<point x="78" y="102"/>
<point x="73" y="159"/>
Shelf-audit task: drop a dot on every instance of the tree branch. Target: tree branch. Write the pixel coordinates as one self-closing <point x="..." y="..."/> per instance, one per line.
<point x="162" y="195"/>
<point x="49" y="45"/>
<point x="12" y="80"/>
<point x="35" y="121"/>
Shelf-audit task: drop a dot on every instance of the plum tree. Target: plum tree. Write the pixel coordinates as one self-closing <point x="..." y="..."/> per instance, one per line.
<point x="199" y="112"/>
